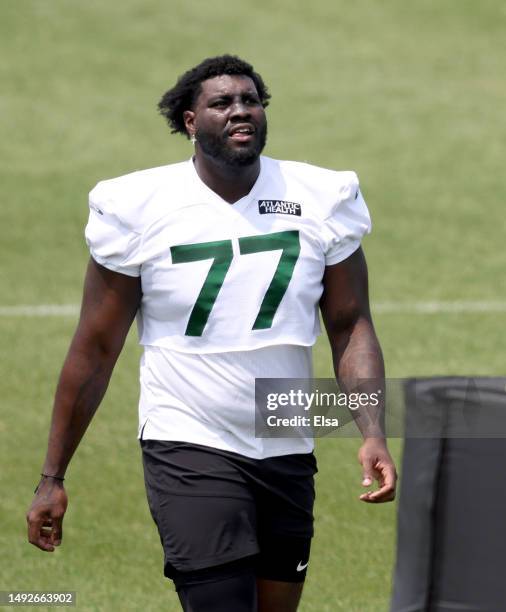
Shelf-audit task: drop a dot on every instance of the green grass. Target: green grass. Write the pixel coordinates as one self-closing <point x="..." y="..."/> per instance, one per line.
<point x="411" y="95"/>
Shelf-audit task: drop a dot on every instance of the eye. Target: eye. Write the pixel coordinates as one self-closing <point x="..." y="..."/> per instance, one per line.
<point x="219" y="103"/>
<point x="252" y="100"/>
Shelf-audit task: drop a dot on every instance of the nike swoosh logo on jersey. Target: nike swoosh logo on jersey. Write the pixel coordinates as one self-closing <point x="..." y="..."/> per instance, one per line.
<point x="301" y="567"/>
<point x="280" y="207"/>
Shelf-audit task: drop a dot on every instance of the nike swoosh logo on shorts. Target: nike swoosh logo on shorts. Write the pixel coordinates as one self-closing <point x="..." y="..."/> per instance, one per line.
<point x="301" y="567"/>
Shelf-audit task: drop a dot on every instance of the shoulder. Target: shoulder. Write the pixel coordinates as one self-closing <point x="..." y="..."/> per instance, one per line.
<point x="140" y="184"/>
<point x="128" y="197"/>
<point x="329" y="187"/>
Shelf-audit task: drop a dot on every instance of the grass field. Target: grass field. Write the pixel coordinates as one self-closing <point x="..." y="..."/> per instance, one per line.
<point x="409" y="94"/>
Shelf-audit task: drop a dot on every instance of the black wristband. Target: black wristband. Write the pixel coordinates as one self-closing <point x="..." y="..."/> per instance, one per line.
<point x="55" y="477"/>
<point x="60" y="478"/>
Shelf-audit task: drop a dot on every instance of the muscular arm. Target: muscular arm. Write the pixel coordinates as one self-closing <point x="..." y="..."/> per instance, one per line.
<point x="358" y="362"/>
<point x="110" y="302"/>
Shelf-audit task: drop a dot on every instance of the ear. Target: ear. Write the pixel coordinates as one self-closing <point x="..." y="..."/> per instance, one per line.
<point x="189" y="122"/>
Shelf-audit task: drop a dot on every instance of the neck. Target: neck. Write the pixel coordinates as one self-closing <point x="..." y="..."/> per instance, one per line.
<point x="230" y="182"/>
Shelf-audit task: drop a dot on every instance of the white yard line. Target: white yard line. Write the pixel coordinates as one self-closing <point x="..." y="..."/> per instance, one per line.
<point x="457" y="307"/>
<point x="41" y="310"/>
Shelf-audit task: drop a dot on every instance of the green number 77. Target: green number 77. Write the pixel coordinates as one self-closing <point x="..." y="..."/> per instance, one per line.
<point x="221" y="253"/>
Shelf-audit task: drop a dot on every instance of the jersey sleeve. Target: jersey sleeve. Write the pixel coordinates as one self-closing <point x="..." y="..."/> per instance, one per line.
<point x="112" y="243"/>
<point x="347" y="223"/>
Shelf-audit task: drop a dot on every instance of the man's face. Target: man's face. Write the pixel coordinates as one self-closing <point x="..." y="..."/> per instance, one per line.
<point x="229" y="120"/>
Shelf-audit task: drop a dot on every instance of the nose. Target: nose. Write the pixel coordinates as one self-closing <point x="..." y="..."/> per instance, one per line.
<point x="239" y="109"/>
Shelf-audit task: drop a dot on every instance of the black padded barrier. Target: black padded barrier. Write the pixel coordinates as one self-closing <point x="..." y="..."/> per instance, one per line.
<point x="451" y="531"/>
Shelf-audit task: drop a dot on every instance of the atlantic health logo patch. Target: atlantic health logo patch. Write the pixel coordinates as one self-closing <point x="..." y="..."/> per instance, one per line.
<point x="281" y="207"/>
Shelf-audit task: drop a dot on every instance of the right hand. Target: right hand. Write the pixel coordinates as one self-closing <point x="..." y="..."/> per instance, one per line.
<point x="45" y="515"/>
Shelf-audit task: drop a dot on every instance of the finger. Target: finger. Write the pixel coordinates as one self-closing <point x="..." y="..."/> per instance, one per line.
<point x="367" y="473"/>
<point x="388" y="476"/>
<point x="369" y="476"/>
<point x="47" y="529"/>
<point x="44" y="541"/>
<point x="34" y="525"/>
<point x="365" y="496"/>
<point x="381" y="495"/>
<point x="57" y="533"/>
<point x="37" y="529"/>
<point x="385" y="493"/>
<point x="372" y="498"/>
<point x="51" y="531"/>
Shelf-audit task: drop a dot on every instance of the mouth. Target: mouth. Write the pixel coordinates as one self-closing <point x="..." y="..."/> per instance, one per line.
<point x="244" y="132"/>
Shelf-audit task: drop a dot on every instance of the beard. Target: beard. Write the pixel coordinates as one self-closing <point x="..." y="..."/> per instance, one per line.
<point x="217" y="147"/>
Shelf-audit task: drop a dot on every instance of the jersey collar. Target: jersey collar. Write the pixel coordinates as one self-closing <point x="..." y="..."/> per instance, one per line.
<point x="201" y="191"/>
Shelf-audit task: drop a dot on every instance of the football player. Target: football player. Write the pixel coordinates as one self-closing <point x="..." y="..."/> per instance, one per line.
<point x="225" y="260"/>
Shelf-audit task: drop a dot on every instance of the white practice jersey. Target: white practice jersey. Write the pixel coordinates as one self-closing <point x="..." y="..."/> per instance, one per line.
<point x="221" y="284"/>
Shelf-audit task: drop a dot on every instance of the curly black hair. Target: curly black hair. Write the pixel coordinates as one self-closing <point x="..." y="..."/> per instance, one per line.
<point x="185" y="92"/>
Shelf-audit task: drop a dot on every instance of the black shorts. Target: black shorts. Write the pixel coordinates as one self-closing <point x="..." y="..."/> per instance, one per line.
<point x="212" y="507"/>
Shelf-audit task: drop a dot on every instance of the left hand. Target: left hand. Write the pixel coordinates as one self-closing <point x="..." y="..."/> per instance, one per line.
<point x="377" y="465"/>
